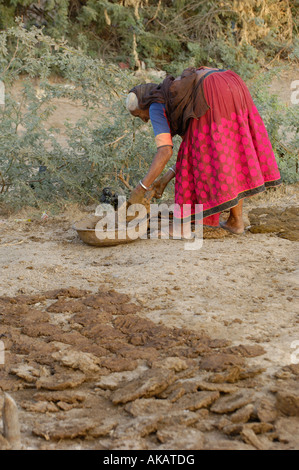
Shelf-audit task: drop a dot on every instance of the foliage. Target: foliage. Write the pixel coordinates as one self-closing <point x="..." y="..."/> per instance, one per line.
<point x="37" y="165"/>
<point x="34" y="164"/>
<point x="241" y="34"/>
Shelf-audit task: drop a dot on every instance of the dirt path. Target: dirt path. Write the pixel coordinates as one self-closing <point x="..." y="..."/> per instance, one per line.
<point x="236" y="290"/>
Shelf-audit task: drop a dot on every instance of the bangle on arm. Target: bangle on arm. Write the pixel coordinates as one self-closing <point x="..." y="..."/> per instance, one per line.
<point x="172" y="170"/>
<point x="143" y="186"/>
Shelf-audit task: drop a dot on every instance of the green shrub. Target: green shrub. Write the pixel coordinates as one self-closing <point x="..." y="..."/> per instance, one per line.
<point x="106" y="141"/>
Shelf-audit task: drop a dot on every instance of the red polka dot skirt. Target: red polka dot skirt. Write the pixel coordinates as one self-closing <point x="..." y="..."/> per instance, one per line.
<point x="226" y="154"/>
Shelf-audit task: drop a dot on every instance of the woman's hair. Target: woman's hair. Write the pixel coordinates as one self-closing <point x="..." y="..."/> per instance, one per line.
<point x="132" y="102"/>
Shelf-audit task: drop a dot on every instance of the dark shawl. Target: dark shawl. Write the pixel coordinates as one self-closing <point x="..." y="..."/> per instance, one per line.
<point x="183" y="97"/>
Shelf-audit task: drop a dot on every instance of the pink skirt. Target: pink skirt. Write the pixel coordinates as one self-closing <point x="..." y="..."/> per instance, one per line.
<point x="225" y="155"/>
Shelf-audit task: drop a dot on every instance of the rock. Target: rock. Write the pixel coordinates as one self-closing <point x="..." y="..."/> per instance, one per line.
<point x="172" y="363"/>
<point x="118" y="364"/>
<point x="64" y="396"/>
<point x="230" y="403"/>
<point x="287" y="430"/>
<point x="178" y="418"/>
<point x="266" y="410"/>
<point x="40" y="329"/>
<point x="217" y="387"/>
<point x="249" y="437"/>
<point x="11" y="425"/>
<point x="61" y="381"/>
<point x="30" y="299"/>
<point x="39" y="407"/>
<point x="236" y="428"/>
<point x="234" y="374"/>
<point x="219" y="362"/>
<point x="4" y="444"/>
<point x="287" y="401"/>
<point x="243" y="414"/>
<point x="148" y="406"/>
<point x="125" y="443"/>
<point x="195" y="401"/>
<point x="63" y="429"/>
<point x="112" y="381"/>
<point x="149" y="384"/>
<point x="86" y="362"/>
<point x="30" y="373"/>
<point x="104" y="428"/>
<point x="176" y="438"/>
<point x="141" y="427"/>
<point x="217" y="442"/>
<point x="64" y="306"/>
<point x="247" y="350"/>
<point x="72" y="292"/>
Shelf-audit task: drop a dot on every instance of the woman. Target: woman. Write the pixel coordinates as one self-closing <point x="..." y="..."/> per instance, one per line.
<point x="225" y="154"/>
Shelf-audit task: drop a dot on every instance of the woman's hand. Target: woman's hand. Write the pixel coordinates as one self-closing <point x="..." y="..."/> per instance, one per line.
<point x="136" y="196"/>
<point x="158" y="187"/>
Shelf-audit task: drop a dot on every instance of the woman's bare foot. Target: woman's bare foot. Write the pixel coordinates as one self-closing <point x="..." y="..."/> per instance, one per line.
<point x="232" y="227"/>
<point x="234" y="223"/>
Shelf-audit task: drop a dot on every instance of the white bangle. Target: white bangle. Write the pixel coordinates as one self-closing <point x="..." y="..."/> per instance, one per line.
<point x="172" y="170"/>
<point x="144" y="187"/>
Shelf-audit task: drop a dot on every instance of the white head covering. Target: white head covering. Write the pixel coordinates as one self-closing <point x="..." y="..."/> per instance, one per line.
<point x="131" y="102"/>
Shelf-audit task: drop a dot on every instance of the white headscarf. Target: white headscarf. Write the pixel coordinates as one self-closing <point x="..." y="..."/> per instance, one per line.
<point x="131" y="102"/>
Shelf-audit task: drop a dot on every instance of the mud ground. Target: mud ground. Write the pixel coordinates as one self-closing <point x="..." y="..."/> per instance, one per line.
<point x="148" y="345"/>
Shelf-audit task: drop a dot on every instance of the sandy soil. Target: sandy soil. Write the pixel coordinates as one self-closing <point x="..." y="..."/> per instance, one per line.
<point x="241" y="289"/>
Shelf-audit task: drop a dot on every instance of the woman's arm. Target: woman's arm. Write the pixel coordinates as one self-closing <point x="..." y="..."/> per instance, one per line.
<point x="159" y="162"/>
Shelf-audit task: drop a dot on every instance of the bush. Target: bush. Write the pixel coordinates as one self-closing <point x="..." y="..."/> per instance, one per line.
<point x="106" y="142"/>
<point x="34" y="166"/>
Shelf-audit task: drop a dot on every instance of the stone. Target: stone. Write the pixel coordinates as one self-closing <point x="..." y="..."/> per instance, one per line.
<point x="195" y="401"/>
<point x="61" y="381"/>
<point x="287" y="431"/>
<point x="104" y="428"/>
<point x="243" y="414"/>
<point x="40" y="329"/>
<point x="118" y="364"/>
<point x="266" y="410"/>
<point x="86" y="362"/>
<point x="39" y="407"/>
<point x="217" y="387"/>
<point x="249" y="437"/>
<point x="287" y="401"/>
<point x="219" y="362"/>
<point x="148" y="406"/>
<point x="112" y="381"/>
<point x="141" y="426"/>
<point x="30" y="373"/>
<point x="247" y="350"/>
<point x="149" y="384"/>
<point x="214" y="441"/>
<point x="178" y="438"/>
<point x="172" y="363"/>
<point x="72" y="292"/>
<point x="230" y="403"/>
<point x="4" y="444"/>
<point x="65" y="306"/>
<point x="65" y="396"/>
<point x="64" y="429"/>
<point x="181" y="417"/>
